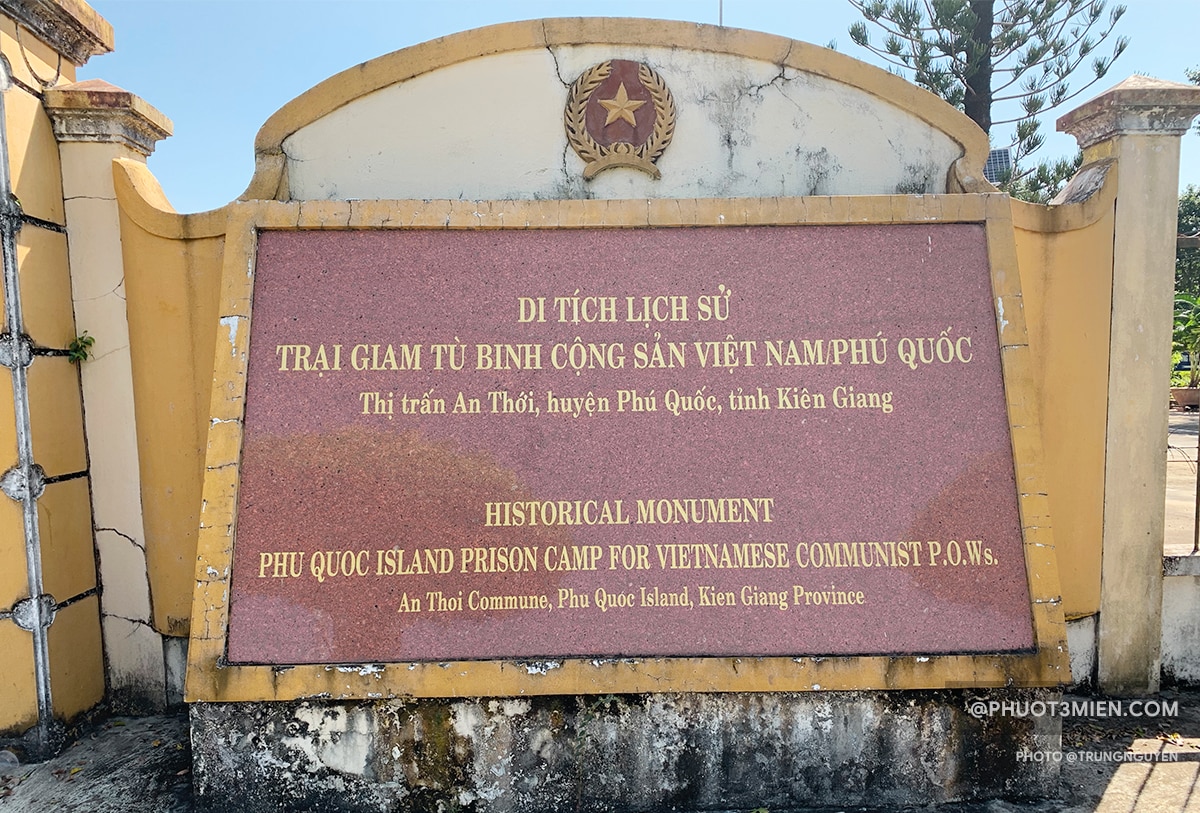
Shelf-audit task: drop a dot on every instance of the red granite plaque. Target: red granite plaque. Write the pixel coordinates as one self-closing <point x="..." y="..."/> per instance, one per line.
<point x="763" y="441"/>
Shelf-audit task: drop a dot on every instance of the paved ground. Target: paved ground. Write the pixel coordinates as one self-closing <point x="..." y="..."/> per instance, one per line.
<point x="142" y="766"/>
<point x="131" y="765"/>
<point x="1181" y="483"/>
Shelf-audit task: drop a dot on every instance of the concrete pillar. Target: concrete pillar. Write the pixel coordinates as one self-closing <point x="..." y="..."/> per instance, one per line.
<point x="1139" y="123"/>
<point x="95" y="123"/>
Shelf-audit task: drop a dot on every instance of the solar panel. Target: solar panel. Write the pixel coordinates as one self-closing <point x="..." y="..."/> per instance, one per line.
<point x="997" y="166"/>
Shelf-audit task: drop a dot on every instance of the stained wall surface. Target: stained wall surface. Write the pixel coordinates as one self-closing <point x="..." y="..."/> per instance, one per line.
<point x="745" y="128"/>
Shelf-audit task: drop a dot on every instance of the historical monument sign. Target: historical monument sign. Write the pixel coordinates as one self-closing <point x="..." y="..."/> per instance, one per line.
<point x="514" y="444"/>
<point x="675" y="365"/>
<point x="482" y="435"/>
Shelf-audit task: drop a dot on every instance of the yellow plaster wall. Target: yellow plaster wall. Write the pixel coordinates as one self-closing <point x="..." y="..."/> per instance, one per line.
<point x="18" y="691"/>
<point x="65" y="530"/>
<point x="64" y="510"/>
<point x="56" y="416"/>
<point x="33" y="150"/>
<point x="14" y="583"/>
<point x="172" y="287"/>
<point x="33" y="156"/>
<point x="76" y="658"/>
<point x="45" y="287"/>
<point x="1066" y="259"/>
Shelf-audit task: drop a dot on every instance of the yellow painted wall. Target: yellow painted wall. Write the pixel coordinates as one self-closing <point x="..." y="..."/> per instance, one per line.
<point x="76" y="658"/>
<point x="64" y="510"/>
<point x="1066" y="259"/>
<point x="56" y="415"/>
<point x="44" y="275"/>
<point x="18" y="693"/>
<point x="33" y="156"/>
<point x="14" y="584"/>
<point x="172" y="285"/>
<point x="65" y="529"/>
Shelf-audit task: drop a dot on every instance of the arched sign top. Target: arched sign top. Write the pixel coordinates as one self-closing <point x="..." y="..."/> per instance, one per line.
<point x="480" y="115"/>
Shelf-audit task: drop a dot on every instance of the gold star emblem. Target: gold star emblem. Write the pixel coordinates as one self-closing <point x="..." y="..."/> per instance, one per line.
<point x="620" y="107"/>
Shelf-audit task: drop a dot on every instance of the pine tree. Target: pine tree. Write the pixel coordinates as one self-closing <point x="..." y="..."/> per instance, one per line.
<point x="1002" y="62"/>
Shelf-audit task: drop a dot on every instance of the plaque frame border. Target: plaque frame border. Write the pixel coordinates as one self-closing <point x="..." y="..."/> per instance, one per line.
<point x="211" y="679"/>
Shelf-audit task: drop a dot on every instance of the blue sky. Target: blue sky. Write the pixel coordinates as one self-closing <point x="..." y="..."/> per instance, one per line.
<point x="220" y="68"/>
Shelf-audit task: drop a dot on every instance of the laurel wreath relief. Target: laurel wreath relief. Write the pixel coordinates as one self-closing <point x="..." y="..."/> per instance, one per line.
<point x="581" y="93"/>
<point x="641" y="156"/>
<point x="664" y="114"/>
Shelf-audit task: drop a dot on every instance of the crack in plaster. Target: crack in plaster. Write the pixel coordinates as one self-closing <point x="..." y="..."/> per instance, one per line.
<point x="126" y="537"/>
<point x="94" y="359"/>
<point x="110" y="292"/>
<point x="89" y="197"/>
<point x="572" y="186"/>
<point x="135" y="621"/>
<point x="554" y="56"/>
<point x="779" y="78"/>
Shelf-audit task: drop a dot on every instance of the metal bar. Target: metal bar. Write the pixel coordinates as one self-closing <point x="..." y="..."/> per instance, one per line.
<point x="48" y="225"/>
<point x="11" y="220"/>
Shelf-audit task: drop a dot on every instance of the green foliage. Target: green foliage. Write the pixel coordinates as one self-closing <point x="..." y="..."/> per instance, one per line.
<point x="1185" y="333"/>
<point x="1020" y="65"/>
<point x="1179" y="378"/>
<point x="80" y="348"/>
<point x="1045" y="181"/>
<point x="1187" y="260"/>
<point x="1193" y="75"/>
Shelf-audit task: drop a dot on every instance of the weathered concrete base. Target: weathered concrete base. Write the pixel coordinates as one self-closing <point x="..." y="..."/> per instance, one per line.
<point x="621" y="753"/>
<point x="1181" y="621"/>
<point x="134" y="657"/>
<point x="175" y="665"/>
<point x="1081" y="643"/>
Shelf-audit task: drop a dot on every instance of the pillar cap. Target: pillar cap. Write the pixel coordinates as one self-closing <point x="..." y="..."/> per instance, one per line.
<point x="71" y="27"/>
<point x="94" y="110"/>
<point x="1141" y="105"/>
